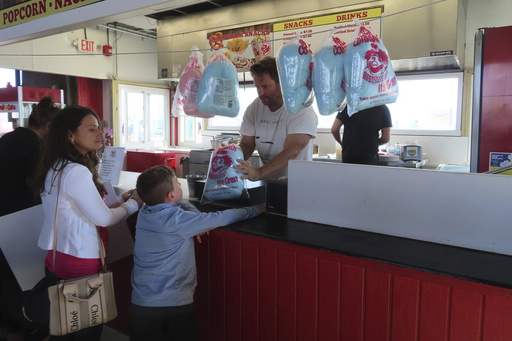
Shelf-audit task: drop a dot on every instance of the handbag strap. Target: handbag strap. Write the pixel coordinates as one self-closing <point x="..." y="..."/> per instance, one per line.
<point x="56" y="228"/>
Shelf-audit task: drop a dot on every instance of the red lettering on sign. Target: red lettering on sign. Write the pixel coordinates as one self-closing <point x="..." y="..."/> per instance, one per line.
<point x="24" y="12"/>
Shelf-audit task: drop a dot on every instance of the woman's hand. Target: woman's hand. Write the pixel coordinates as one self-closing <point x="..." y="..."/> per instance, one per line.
<point x="132" y="194"/>
<point x="127" y="195"/>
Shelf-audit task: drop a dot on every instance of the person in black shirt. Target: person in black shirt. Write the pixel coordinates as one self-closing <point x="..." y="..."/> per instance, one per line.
<point x="19" y="153"/>
<point x="364" y="132"/>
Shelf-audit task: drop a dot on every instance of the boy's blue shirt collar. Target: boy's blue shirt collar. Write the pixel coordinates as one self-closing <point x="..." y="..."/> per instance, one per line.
<point x="157" y="207"/>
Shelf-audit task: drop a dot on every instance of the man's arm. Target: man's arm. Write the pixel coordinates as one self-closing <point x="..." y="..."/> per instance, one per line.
<point x="293" y="145"/>
<point x="335" y="129"/>
<point x="248" y="144"/>
<point x="385" y="136"/>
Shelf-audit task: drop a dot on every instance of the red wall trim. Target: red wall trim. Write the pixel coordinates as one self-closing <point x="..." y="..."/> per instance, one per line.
<point x="252" y="288"/>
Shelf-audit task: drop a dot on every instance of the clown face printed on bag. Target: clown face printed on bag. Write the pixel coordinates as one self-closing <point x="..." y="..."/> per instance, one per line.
<point x="370" y="78"/>
<point x="224" y="181"/>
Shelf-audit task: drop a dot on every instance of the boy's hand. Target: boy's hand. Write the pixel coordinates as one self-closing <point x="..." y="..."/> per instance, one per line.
<point x="261" y="208"/>
<point x="198" y="236"/>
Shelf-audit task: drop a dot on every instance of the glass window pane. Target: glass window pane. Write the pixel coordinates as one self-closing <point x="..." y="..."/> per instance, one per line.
<point x="156" y="117"/>
<point x="135" y="115"/>
<point x="7" y="76"/>
<point x="189" y="128"/>
<point x="429" y="103"/>
<point x="246" y="95"/>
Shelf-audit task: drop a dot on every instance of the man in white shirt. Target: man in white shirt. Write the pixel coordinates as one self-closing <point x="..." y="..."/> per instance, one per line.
<point x="268" y="127"/>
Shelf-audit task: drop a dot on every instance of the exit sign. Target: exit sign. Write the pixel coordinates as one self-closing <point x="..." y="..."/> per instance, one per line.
<point x="85" y="45"/>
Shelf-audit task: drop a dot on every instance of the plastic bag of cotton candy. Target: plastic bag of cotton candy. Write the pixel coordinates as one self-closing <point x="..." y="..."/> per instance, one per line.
<point x="223" y="181"/>
<point x="294" y="65"/>
<point x="218" y="88"/>
<point x="188" y="86"/>
<point x="328" y="75"/>
<point x="369" y="75"/>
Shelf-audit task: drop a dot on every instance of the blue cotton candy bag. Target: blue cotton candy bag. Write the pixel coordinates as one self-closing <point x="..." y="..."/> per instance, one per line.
<point x="188" y="85"/>
<point x="218" y="88"/>
<point x="328" y="75"/>
<point x="223" y="181"/>
<point x="294" y="65"/>
<point x="369" y="75"/>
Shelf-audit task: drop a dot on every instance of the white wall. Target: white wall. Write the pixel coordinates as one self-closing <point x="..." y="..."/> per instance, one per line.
<point x="134" y="59"/>
<point x="481" y="14"/>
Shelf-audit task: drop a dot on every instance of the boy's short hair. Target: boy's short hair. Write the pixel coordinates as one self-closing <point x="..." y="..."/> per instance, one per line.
<point x="154" y="184"/>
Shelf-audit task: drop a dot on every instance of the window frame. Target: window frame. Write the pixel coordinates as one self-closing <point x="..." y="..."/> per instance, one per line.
<point x="458" y="121"/>
<point x="146" y="91"/>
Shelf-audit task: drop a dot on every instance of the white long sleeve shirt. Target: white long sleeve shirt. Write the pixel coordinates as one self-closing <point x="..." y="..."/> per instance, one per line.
<point x="81" y="209"/>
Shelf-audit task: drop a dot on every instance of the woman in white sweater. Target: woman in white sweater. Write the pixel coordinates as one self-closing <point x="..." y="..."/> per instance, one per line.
<point x="69" y="162"/>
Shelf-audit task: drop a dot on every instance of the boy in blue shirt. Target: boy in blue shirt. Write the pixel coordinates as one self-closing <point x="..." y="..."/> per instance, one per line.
<point x="164" y="273"/>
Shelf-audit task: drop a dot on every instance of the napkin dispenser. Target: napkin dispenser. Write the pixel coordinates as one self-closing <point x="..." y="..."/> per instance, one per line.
<point x="411" y="152"/>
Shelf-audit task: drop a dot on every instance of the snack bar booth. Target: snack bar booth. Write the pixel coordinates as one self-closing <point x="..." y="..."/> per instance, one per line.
<point x="17" y="102"/>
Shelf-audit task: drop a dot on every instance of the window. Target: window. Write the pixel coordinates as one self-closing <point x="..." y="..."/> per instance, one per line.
<point x="246" y="95"/>
<point x="190" y="130"/>
<point x="428" y="105"/>
<point x="143" y="116"/>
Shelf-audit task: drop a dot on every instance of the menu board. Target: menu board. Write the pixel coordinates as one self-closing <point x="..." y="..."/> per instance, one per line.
<point x="246" y="45"/>
<point x="242" y="46"/>
<point x="111" y="164"/>
<point x="315" y="30"/>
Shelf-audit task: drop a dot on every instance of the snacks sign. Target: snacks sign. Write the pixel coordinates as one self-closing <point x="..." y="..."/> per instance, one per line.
<point x="314" y="30"/>
<point x="242" y="46"/>
<point x="35" y="9"/>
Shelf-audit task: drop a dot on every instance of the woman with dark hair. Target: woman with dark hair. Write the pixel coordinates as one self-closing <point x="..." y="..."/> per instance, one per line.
<point x="67" y="176"/>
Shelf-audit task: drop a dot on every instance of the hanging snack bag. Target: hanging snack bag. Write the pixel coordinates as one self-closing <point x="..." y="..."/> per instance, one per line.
<point x="218" y="88"/>
<point x="223" y="181"/>
<point x="189" y="84"/>
<point x="328" y="74"/>
<point x="177" y="104"/>
<point x="370" y="77"/>
<point x="294" y="65"/>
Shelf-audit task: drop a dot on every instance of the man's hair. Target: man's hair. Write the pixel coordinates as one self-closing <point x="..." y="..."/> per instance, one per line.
<point x="154" y="184"/>
<point x="266" y="66"/>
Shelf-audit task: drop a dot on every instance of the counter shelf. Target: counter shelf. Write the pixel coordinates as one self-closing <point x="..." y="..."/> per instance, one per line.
<point x="461" y="263"/>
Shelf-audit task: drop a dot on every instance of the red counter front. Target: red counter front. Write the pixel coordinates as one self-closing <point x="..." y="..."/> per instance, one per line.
<point x="139" y="160"/>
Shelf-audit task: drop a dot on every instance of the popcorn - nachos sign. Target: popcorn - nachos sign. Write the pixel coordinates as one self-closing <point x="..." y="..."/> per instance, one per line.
<point x="35" y="9"/>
